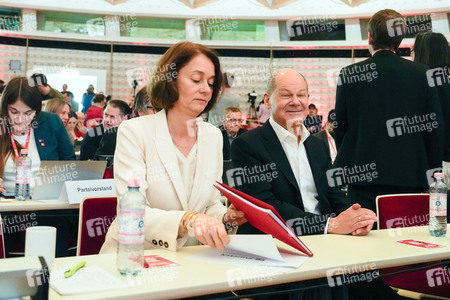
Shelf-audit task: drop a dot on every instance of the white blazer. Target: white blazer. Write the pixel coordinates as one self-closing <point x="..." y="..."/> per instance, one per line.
<point x="145" y="149"/>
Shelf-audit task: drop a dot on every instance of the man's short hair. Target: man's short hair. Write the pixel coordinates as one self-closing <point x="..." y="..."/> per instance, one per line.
<point x="141" y="101"/>
<point x="311" y="106"/>
<point x="273" y="79"/>
<point x="70" y="94"/>
<point x="232" y="109"/>
<point x="122" y="105"/>
<point x="381" y="36"/>
<point x="98" y="98"/>
<point x="39" y="79"/>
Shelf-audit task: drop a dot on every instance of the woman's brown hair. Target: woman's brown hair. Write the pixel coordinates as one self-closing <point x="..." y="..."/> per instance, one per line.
<point x="17" y="88"/>
<point x="55" y="106"/>
<point x="162" y="90"/>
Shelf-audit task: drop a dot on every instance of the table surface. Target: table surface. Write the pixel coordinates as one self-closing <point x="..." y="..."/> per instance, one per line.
<point x="30" y="205"/>
<point x="377" y="250"/>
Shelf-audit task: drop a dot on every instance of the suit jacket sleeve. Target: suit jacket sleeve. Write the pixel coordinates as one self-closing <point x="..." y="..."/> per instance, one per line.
<point x="435" y="139"/>
<point x="341" y="114"/>
<point x="245" y="155"/>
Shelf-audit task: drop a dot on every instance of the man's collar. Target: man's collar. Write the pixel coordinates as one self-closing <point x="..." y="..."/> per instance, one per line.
<point x="283" y="134"/>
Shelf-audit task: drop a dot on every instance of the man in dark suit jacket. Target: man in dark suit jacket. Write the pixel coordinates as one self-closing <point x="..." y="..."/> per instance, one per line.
<point x="285" y="168"/>
<point x="231" y="129"/>
<point x="388" y="118"/>
<point x="327" y="136"/>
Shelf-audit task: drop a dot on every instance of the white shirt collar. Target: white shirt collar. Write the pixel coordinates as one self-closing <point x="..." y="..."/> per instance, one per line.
<point x="283" y="134"/>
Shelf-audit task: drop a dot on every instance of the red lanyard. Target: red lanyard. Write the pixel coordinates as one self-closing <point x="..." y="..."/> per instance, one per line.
<point x="331" y="143"/>
<point x="13" y="142"/>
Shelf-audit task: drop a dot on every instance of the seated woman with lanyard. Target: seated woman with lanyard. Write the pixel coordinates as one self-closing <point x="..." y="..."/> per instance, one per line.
<point x="24" y="126"/>
<point x="177" y="155"/>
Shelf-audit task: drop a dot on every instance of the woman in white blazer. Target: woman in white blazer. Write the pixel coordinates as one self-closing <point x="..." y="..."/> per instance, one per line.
<point x="177" y="156"/>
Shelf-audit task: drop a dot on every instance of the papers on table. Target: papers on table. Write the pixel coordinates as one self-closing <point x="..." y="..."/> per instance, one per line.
<point x="86" y="280"/>
<point x="252" y="250"/>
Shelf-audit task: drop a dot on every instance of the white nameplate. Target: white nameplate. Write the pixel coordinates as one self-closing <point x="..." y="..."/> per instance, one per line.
<point x="75" y="191"/>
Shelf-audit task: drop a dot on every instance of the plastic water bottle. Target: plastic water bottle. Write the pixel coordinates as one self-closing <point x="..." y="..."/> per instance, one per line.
<point x="23" y="176"/>
<point x="130" y="253"/>
<point x="438" y="206"/>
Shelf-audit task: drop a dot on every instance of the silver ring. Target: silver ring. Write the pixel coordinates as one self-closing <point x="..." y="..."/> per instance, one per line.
<point x="359" y="219"/>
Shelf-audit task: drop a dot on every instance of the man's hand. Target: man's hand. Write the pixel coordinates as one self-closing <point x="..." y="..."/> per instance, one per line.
<point x="355" y="220"/>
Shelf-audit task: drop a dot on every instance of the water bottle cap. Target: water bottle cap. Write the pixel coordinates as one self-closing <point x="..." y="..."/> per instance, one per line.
<point x="24" y="151"/>
<point x="438" y="175"/>
<point x="134" y="182"/>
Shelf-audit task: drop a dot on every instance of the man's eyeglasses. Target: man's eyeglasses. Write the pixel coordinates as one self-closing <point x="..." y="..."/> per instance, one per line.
<point x="234" y="120"/>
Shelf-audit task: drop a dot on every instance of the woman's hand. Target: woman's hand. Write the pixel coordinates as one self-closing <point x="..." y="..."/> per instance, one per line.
<point x="2" y="189"/>
<point x="210" y="231"/>
<point x="234" y="218"/>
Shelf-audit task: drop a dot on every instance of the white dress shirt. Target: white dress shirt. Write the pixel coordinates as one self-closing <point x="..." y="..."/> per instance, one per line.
<point x="298" y="160"/>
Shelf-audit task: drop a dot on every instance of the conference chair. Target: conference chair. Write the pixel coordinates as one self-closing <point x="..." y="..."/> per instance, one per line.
<point x="408" y="210"/>
<point x="96" y="215"/>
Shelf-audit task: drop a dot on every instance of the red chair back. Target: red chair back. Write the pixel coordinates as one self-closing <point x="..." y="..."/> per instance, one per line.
<point x="2" y="242"/>
<point x="402" y="210"/>
<point x="96" y="215"/>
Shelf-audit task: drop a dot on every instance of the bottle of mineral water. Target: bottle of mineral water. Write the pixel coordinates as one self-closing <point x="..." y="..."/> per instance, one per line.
<point x="438" y="206"/>
<point x="130" y="252"/>
<point x="23" y="176"/>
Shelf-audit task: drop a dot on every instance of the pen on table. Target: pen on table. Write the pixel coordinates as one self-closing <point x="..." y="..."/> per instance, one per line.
<point x="72" y="270"/>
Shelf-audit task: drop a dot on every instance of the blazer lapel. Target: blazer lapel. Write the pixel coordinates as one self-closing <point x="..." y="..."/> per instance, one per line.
<point x="202" y="164"/>
<point x="166" y="152"/>
<point x="276" y="151"/>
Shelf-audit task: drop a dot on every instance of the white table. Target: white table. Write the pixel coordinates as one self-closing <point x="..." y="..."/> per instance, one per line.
<point x="30" y="205"/>
<point x="192" y="278"/>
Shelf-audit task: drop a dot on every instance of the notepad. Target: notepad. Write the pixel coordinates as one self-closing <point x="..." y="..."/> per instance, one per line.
<point x="86" y="280"/>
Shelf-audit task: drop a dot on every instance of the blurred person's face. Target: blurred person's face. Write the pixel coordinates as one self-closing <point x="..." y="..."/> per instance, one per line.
<point x="195" y="85"/>
<point x="64" y="87"/>
<point x="20" y="116"/>
<point x="71" y="123"/>
<point x="312" y="112"/>
<point x="112" y="117"/>
<point x="81" y="118"/>
<point x="64" y="114"/>
<point x="67" y="97"/>
<point x="233" y="122"/>
<point x="289" y="100"/>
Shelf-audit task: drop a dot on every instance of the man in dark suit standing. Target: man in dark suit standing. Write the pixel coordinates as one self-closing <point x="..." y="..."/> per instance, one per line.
<point x="282" y="165"/>
<point x="388" y="118"/>
<point x="327" y="135"/>
<point x="231" y="129"/>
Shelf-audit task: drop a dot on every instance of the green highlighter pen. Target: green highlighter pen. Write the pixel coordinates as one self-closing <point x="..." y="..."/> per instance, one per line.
<point x="72" y="271"/>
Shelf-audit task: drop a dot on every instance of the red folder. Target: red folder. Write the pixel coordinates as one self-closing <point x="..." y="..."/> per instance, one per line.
<point x="263" y="217"/>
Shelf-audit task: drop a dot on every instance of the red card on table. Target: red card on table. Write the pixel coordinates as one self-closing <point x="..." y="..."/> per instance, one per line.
<point x="419" y="244"/>
<point x="154" y="261"/>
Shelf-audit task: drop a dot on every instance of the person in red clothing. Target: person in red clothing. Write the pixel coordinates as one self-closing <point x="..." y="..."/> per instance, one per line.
<point x="94" y="114"/>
